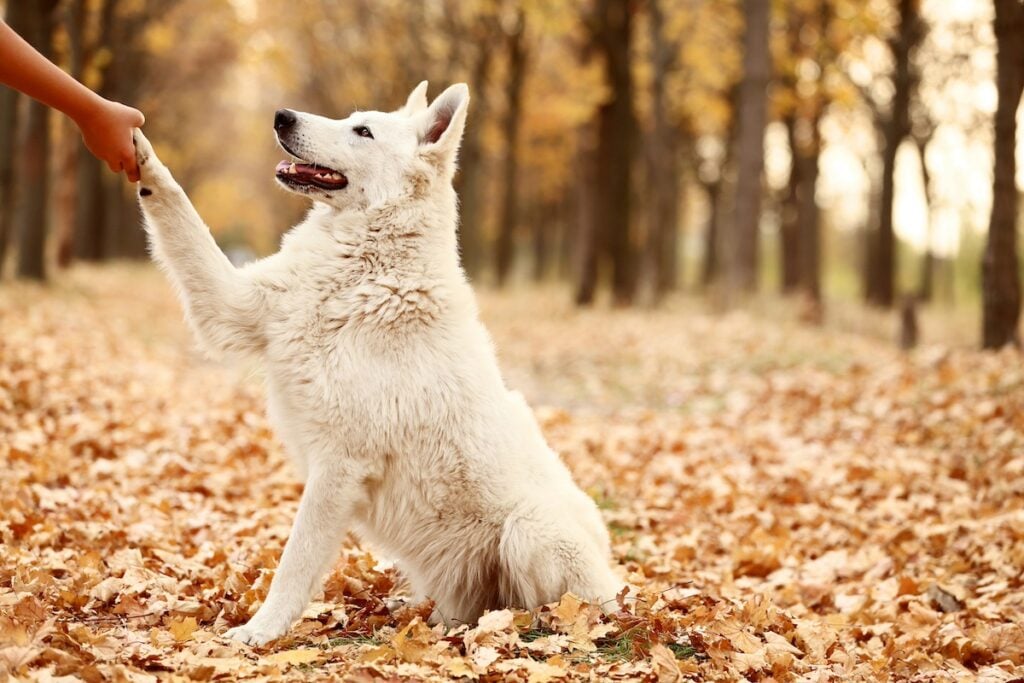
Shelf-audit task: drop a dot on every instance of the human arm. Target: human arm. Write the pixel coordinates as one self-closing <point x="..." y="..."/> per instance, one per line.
<point x="106" y="126"/>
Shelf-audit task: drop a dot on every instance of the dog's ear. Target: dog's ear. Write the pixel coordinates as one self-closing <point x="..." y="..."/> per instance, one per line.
<point x="441" y="125"/>
<point x="417" y="101"/>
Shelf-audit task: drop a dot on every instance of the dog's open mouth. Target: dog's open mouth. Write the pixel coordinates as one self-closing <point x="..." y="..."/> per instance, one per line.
<point x="300" y="174"/>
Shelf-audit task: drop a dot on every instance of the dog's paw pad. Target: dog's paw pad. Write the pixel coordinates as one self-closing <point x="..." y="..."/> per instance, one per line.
<point x="145" y="192"/>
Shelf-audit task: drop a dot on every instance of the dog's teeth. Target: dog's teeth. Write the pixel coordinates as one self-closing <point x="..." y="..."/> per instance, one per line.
<point x="291" y="169"/>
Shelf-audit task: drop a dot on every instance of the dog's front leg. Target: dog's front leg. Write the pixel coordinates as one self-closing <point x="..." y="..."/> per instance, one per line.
<point x="324" y="515"/>
<point x="224" y="306"/>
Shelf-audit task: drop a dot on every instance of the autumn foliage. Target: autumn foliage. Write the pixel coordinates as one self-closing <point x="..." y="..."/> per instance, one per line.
<point x="792" y="504"/>
<point x="823" y="149"/>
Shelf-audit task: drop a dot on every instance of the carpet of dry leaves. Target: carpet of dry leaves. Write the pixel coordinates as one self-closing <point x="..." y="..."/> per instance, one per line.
<point x="794" y="504"/>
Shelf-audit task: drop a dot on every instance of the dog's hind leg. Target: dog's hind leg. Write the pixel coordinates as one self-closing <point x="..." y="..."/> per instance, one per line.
<point x="222" y="304"/>
<point x="544" y="556"/>
<point x="325" y="512"/>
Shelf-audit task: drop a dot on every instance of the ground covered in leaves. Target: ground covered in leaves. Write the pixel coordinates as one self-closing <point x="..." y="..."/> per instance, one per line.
<point x="793" y="504"/>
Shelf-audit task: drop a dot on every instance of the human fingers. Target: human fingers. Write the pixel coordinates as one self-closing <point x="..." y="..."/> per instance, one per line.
<point x="131" y="167"/>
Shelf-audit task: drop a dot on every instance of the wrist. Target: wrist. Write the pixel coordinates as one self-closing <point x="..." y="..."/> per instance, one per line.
<point x="83" y="111"/>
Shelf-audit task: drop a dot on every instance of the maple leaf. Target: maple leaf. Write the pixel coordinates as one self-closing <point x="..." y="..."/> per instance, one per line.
<point x="182" y="629"/>
<point x="414" y="641"/>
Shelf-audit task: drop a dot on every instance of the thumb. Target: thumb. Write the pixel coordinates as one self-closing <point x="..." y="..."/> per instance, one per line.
<point x="138" y="119"/>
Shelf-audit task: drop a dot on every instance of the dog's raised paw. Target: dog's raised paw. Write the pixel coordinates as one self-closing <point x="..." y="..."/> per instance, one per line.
<point x="252" y="635"/>
<point x="143" y="150"/>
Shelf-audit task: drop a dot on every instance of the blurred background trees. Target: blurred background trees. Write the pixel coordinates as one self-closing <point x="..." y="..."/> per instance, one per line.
<point x="630" y="149"/>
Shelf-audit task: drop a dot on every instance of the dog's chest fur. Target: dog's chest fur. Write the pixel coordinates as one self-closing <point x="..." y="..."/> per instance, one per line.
<point x="375" y="354"/>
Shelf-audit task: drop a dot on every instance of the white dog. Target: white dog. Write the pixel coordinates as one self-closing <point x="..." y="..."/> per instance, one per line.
<point x="382" y="382"/>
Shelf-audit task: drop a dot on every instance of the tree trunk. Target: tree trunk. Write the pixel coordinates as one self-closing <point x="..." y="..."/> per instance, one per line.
<point x="926" y="285"/>
<point x="668" y="251"/>
<point x="8" y="128"/>
<point x="505" y="244"/>
<point x="588" y="236"/>
<point x="869" y="230"/>
<point x="547" y="216"/>
<point x="789" y="232"/>
<point x="8" y="137"/>
<point x="113" y="217"/>
<point x="882" y="285"/>
<point x="33" y="220"/>
<point x="90" y="206"/>
<point x="808" y="217"/>
<point x="123" y="79"/>
<point x="1001" y="289"/>
<point x="539" y="223"/>
<point x="658" y="269"/>
<point x="752" y="113"/>
<point x="90" y="226"/>
<point x="14" y="16"/>
<point x="616" y="133"/>
<point x="468" y="182"/>
<point x="712" y="235"/>
<point x="75" y="15"/>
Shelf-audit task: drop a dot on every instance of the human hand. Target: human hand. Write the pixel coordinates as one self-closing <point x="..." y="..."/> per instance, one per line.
<point x="107" y="131"/>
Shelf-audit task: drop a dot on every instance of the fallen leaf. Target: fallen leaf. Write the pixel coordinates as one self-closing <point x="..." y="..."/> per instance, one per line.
<point x="665" y="666"/>
<point x="298" y="656"/>
<point x="182" y="629"/>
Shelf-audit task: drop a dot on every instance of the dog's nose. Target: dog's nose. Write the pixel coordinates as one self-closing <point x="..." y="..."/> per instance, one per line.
<point x="284" y="119"/>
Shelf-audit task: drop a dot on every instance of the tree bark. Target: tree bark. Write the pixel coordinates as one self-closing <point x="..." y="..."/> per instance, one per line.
<point x="8" y="138"/>
<point x="616" y="133"/>
<point x="505" y="244"/>
<point x="870" y="230"/>
<point x="926" y="285"/>
<point x="809" y="217"/>
<point x="659" y="269"/>
<point x="75" y="14"/>
<point x="33" y="220"/>
<point x="124" y="78"/>
<point x="789" y="230"/>
<point x="712" y="234"/>
<point x="588" y="236"/>
<point x="881" y="289"/>
<point x="753" y="112"/>
<point x="90" y="222"/>
<point x="546" y="221"/>
<point x="881" y="286"/>
<point x="1001" y="288"/>
<point x="668" y="251"/>
<point x="468" y="181"/>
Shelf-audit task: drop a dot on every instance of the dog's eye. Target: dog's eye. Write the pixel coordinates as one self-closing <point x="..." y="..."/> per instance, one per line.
<point x="363" y="132"/>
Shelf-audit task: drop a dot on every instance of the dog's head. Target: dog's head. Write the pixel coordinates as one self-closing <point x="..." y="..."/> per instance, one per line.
<point x="371" y="156"/>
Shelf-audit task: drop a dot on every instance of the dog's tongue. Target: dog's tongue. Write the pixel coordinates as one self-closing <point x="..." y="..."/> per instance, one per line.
<point x="310" y="173"/>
